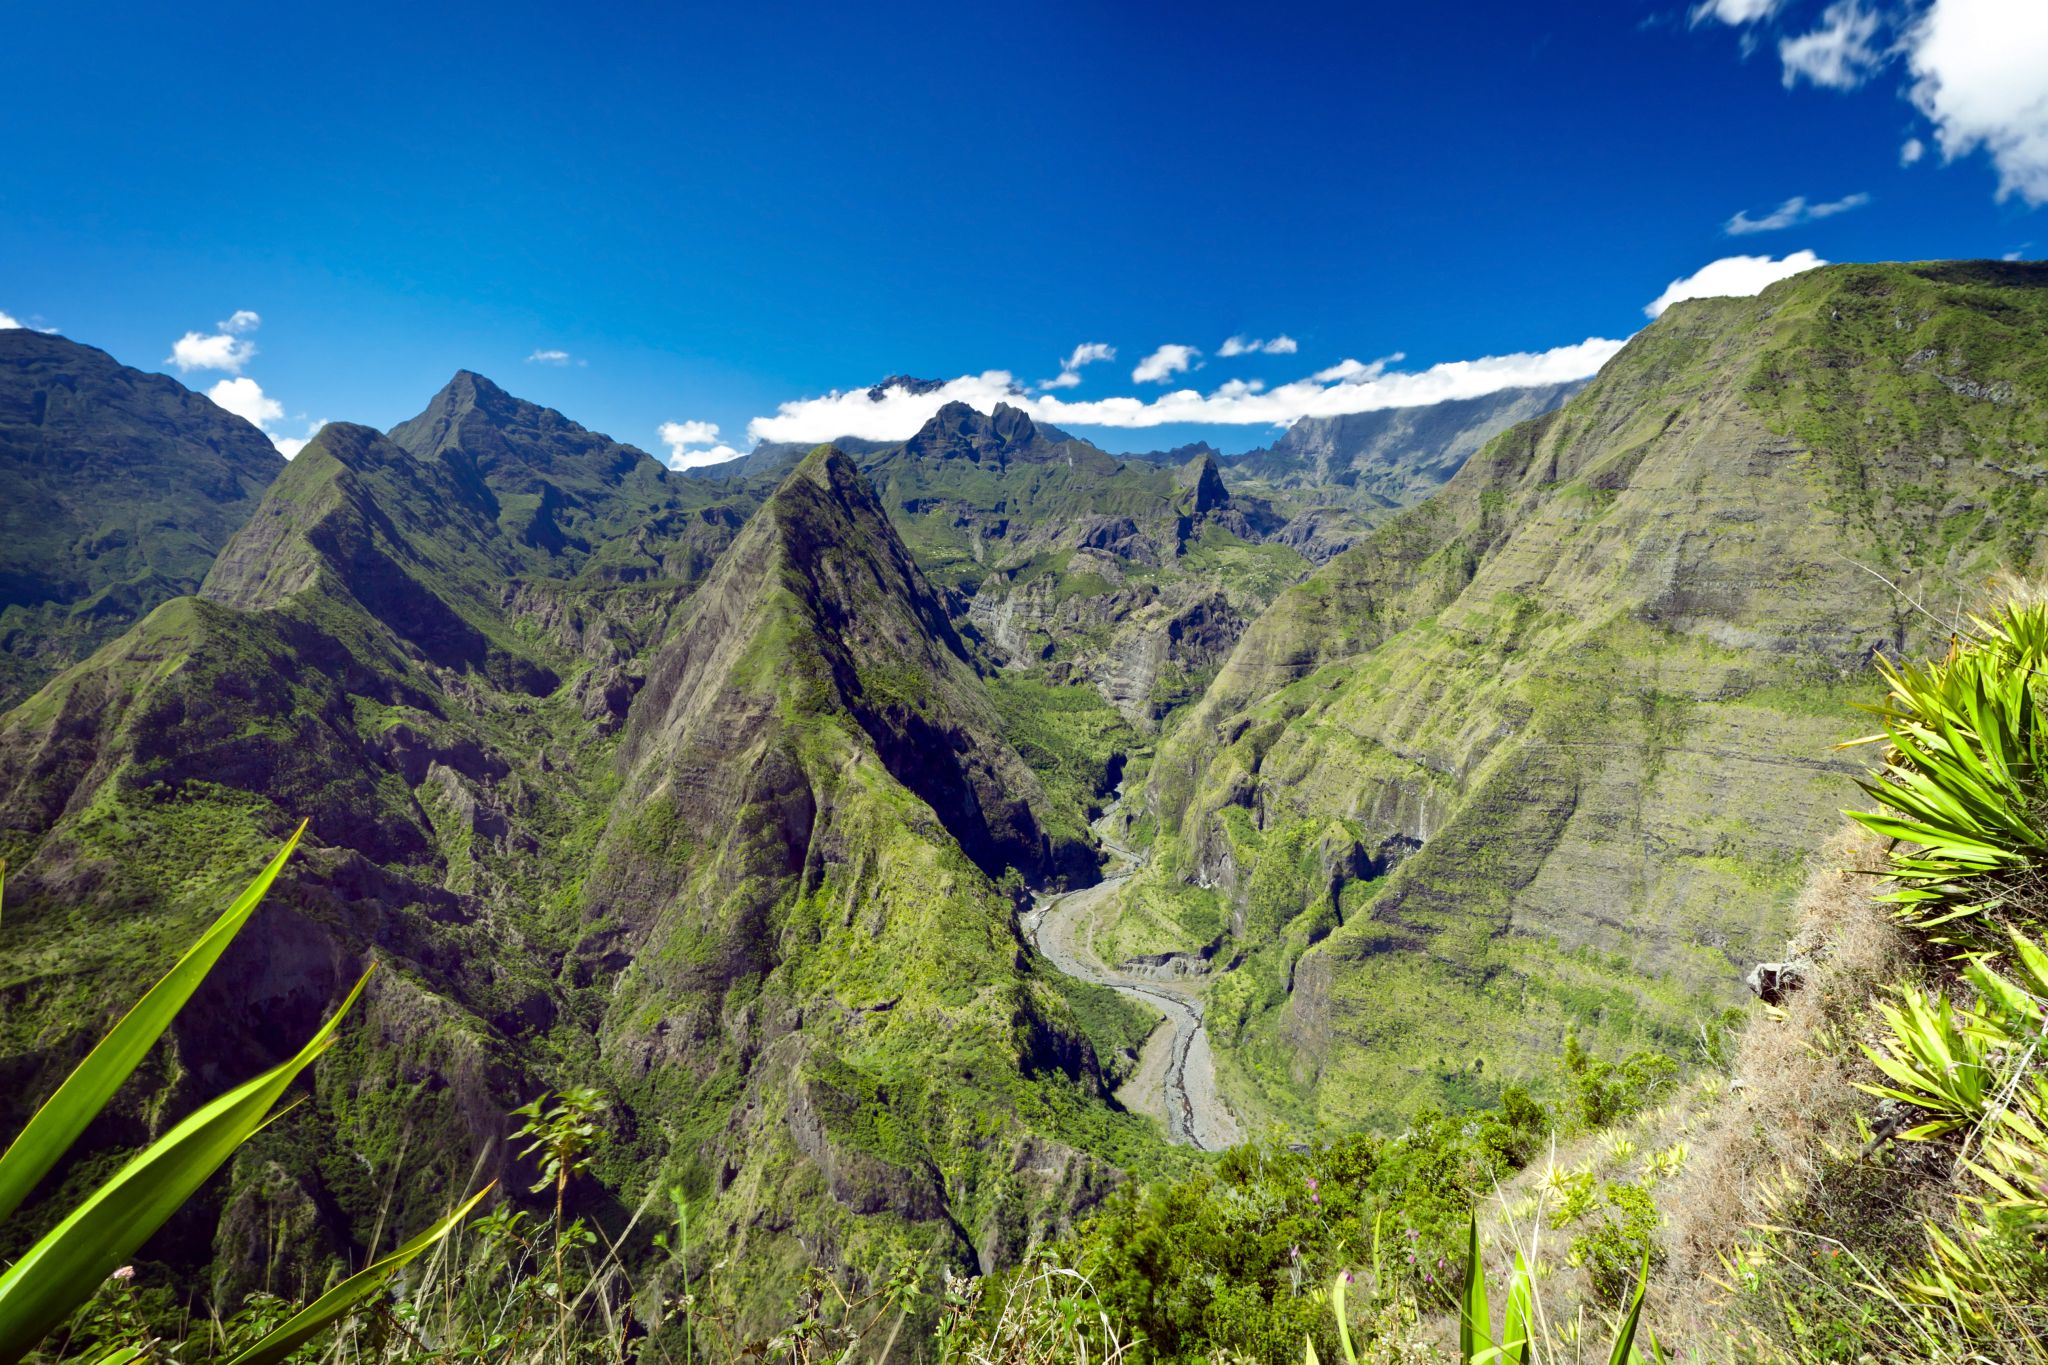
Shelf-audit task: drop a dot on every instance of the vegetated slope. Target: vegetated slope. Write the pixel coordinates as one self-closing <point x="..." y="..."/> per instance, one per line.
<point x="1128" y="577"/>
<point x="117" y="489"/>
<point x="1553" y="745"/>
<point x="807" y="892"/>
<point x="381" y="651"/>
<point x="695" y="901"/>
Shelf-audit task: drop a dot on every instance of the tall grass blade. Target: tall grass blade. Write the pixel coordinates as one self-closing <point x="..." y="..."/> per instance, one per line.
<point x="88" y="1088"/>
<point x="324" y="1311"/>
<point x="63" y="1269"/>
<point x="1625" y="1339"/>
<point x="1475" y="1321"/>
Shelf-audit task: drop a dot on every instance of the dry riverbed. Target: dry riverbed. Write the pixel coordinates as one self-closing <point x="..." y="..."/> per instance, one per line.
<point x="1176" y="1076"/>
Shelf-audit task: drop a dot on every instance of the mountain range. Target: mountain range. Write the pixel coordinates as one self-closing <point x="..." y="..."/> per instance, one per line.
<point x="1439" y="731"/>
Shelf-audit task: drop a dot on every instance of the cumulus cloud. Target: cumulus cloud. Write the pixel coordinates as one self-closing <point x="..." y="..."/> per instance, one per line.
<point x="1350" y="386"/>
<point x="1977" y="70"/>
<point x="1164" y="363"/>
<point x="1980" y="76"/>
<point x="219" y="351"/>
<point x="7" y="321"/>
<point x="1279" y="345"/>
<point x="1732" y="277"/>
<point x="227" y="347"/>
<point x="1087" y="353"/>
<point x="1841" y="54"/>
<point x="693" y="444"/>
<point x="552" y="356"/>
<point x="1792" y="213"/>
<point x="245" y="398"/>
<point x="1737" y="12"/>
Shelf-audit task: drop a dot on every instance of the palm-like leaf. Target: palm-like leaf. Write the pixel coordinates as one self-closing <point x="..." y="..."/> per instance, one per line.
<point x="67" y="1265"/>
<point x="330" y="1307"/>
<point x="1936" y="1063"/>
<point x="87" y="1089"/>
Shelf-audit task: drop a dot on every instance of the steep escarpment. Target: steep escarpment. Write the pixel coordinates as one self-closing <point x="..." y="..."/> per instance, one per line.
<point x="117" y="488"/>
<point x="821" y="998"/>
<point x="1080" y="568"/>
<point x="1553" y="745"/>
<point x="1338" y="477"/>
<point x="1395" y="456"/>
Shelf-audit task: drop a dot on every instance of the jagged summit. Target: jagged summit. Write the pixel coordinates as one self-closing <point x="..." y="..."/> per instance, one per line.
<point x="961" y="431"/>
<point x="905" y="383"/>
<point x="516" y="446"/>
<point x="1201" y="482"/>
<point x="819" y="586"/>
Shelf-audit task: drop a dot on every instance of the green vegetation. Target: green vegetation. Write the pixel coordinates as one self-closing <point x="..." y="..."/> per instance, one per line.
<point x="64" y="1268"/>
<point x="1230" y="1262"/>
<point x="1069" y="736"/>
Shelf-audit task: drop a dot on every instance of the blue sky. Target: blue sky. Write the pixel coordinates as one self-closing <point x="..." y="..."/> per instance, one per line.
<point x="716" y="212"/>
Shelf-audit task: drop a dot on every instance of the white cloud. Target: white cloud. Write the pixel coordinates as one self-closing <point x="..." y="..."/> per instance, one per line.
<point x="678" y="436"/>
<point x="1351" y="386"/>
<point x="1732" y="277"/>
<point x="1980" y="76"/>
<point x="1978" y="72"/>
<point x="689" y="433"/>
<point x="226" y="348"/>
<point x="1734" y="11"/>
<point x="1279" y="345"/>
<point x="220" y="351"/>
<point x="8" y="321"/>
<point x="1087" y="353"/>
<point x="1792" y="213"/>
<point x="1840" y="54"/>
<point x="245" y="398"/>
<point x="1164" y="363"/>
<point x="552" y="356"/>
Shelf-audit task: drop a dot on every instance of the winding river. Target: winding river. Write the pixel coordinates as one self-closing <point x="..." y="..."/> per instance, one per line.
<point x="1176" y="1076"/>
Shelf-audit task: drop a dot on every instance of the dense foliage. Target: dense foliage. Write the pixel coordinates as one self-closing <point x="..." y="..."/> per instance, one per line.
<point x="1234" y="1261"/>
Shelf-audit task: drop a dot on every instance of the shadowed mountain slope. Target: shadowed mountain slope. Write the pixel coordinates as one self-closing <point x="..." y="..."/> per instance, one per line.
<point x="117" y="489"/>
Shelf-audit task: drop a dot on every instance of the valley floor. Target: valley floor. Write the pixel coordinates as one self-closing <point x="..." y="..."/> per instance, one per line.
<point x="1176" y="1077"/>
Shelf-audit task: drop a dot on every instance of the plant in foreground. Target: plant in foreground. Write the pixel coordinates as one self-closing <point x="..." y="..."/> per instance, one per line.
<point x="1527" y="1337"/>
<point x="96" y="1239"/>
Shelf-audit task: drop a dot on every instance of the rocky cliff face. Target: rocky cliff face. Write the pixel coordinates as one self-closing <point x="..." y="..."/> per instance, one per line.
<point x="1128" y="576"/>
<point x="1587" y="695"/>
<point x="117" y="489"/>
<point x="1395" y="456"/>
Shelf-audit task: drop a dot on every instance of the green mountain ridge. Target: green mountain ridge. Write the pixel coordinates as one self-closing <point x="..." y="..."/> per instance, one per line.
<point x="1553" y="746"/>
<point x="725" y="795"/>
<point x="117" y="489"/>
<point x="382" y="649"/>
